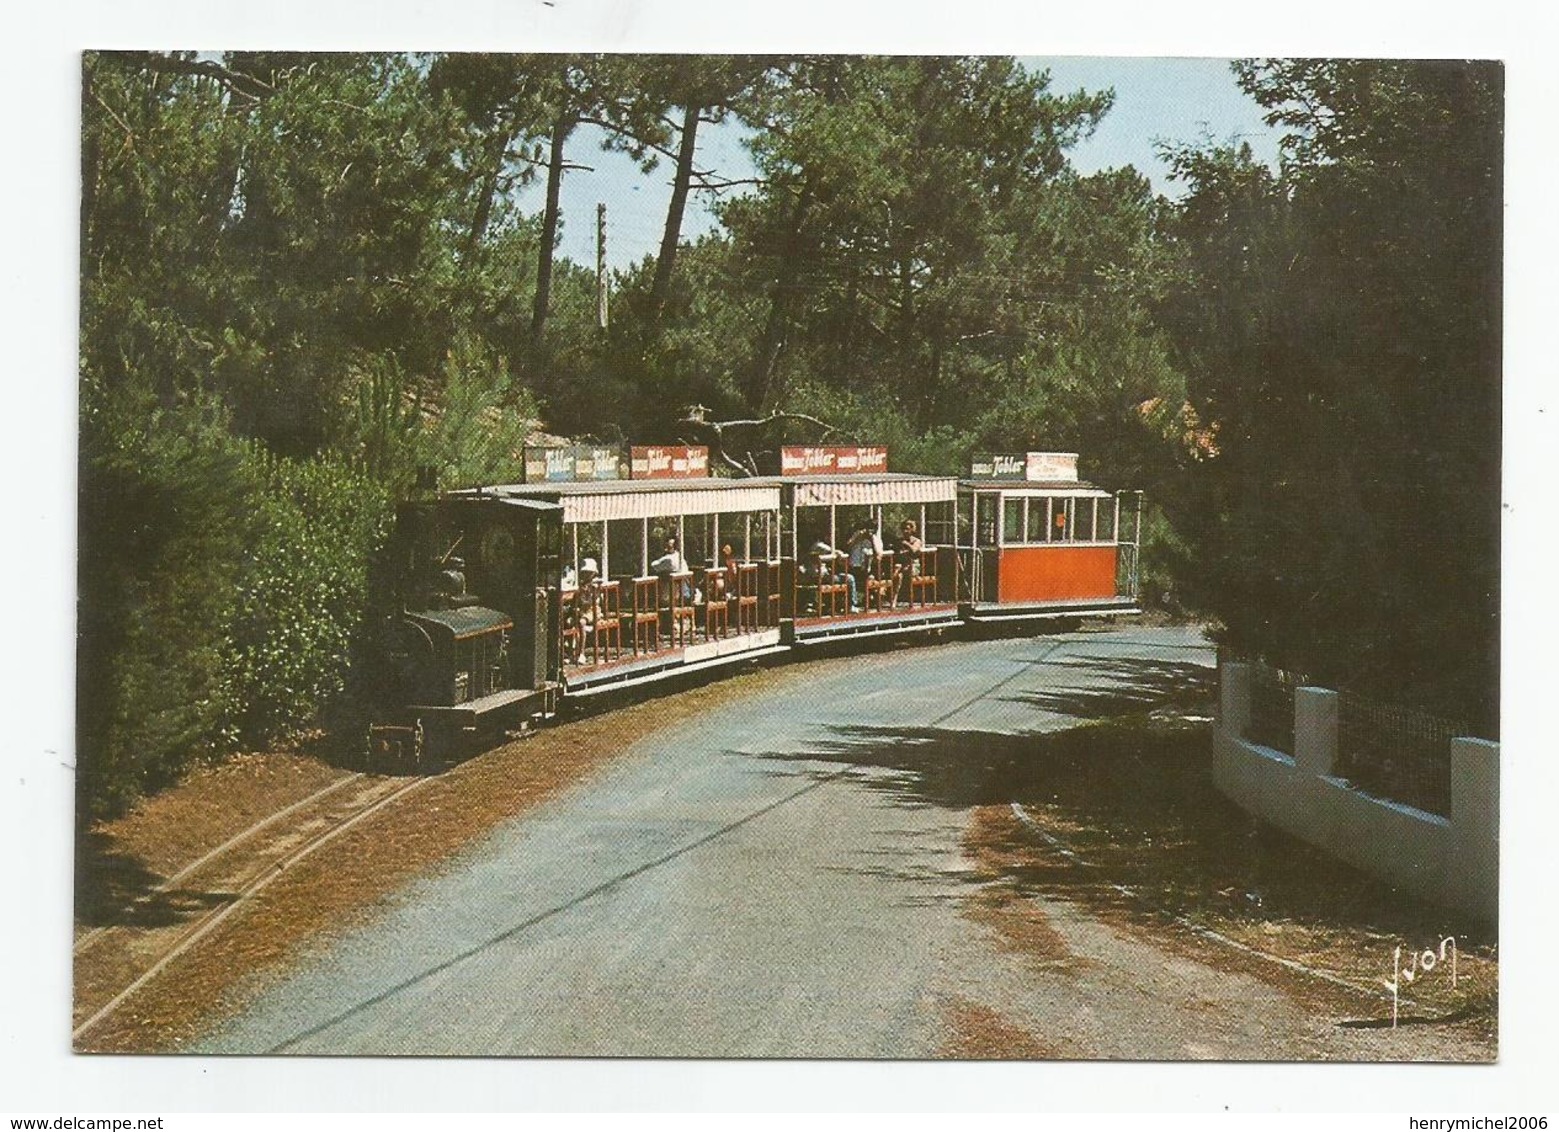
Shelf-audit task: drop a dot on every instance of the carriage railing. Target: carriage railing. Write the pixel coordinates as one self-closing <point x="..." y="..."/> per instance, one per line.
<point x="1128" y="570"/>
<point x="978" y="574"/>
<point x="640" y="617"/>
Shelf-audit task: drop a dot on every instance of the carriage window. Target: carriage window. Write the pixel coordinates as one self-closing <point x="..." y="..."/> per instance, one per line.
<point x="1106" y="531"/>
<point x="1061" y="520"/>
<point x="1012" y="521"/>
<point x="986" y="505"/>
<point x="1036" y="531"/>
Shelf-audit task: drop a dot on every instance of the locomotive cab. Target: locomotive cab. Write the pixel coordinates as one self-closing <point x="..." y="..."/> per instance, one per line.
<point x="463" y="663"/>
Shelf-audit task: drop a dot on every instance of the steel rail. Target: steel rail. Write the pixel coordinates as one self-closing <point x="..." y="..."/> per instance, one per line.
<point x="209" y="923"/>
<point x="232" y="842"/>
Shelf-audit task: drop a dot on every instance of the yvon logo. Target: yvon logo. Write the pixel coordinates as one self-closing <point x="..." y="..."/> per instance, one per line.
<point x="1419" y="965"/>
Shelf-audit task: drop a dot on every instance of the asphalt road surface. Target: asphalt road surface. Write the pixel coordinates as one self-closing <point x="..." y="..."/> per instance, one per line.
<point x="755" y="884"/>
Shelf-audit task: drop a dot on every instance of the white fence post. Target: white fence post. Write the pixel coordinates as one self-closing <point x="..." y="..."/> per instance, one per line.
<point x="1234" y="699"/>
<point x="1473" y="863"/>
<point x="1315" y="731"/>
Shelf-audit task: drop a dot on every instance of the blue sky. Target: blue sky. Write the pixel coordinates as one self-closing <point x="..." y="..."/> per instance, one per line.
<point x="1156" y="100"/>
<point x="1159" y="100"/>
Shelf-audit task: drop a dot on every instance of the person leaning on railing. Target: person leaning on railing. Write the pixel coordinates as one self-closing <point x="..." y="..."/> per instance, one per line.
<point x="588" y="603"/>
<point x="726" y="579"/>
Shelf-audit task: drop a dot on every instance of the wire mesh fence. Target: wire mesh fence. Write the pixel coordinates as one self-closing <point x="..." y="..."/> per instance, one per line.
<point x="1271" y="722"/>
<point x="1395" y="752"/>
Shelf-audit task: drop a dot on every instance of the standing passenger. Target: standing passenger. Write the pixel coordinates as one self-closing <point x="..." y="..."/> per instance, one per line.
<point x="864" y="546"/>
<point x="908" y="558"/>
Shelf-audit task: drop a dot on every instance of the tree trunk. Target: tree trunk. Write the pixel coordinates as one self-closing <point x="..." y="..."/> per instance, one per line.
<point x="760" y="386"/>
<point x="549" y="224"/>
<point x="673" y="234"/>
<point x="497" y="146"/>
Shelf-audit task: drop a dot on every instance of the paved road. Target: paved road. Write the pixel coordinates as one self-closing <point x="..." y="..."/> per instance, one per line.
<point x="764" y="883"/>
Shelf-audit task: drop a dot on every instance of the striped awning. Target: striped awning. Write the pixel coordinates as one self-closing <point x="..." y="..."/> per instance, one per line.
<point x="1054" y="493"/>
<point x="596" y="507"/>
<point x="852" y="491"/>
<point x="1014" y="489"/>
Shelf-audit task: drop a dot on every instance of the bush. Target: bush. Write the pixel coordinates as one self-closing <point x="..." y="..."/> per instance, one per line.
<point x="301" y="595"/>
<point x="163" y="502"/>
<point x="219" y="591"/>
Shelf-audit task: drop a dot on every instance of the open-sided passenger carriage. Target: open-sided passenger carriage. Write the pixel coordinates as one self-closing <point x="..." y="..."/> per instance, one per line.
<point x="845" y="517"/>
<point x="652" y="565"/>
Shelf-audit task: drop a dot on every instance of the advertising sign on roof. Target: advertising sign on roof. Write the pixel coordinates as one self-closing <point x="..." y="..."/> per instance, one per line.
<point x="1050" y="467"/>
<point x="1034" y="467"/>
<point x="835" y="460"/>
<point x="668" y="462"/>
<point x="573" y="463"/>
<point x="1000" y="466"/>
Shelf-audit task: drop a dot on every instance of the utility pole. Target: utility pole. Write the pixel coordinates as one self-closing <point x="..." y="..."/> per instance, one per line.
<point x="600" y="265"/>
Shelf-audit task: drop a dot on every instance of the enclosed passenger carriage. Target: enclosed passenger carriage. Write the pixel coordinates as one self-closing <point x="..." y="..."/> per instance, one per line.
<point x="1036" y="542"/>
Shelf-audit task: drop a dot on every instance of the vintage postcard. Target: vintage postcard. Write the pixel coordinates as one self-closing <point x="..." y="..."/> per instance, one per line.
<point x="789" y="556"/>
<point x="894" y="555"/>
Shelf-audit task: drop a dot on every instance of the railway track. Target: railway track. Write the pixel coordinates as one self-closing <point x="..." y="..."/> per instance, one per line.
<point x="192" y="903"/>
<point x="86" y="939"/>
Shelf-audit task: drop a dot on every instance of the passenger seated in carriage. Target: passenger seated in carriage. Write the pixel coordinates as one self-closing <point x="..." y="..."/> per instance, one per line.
<point x="829" y="570"/>
<point x="672" y="563"/>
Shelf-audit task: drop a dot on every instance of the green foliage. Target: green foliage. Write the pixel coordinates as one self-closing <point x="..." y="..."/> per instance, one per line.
<point x="254" y="231"/>
<point x="313" y="530"/>
<point x="219" y="591"/>
<point x="1340" y="324"/>
<point x="164" y="499"/>
<point x="483" y="420"/>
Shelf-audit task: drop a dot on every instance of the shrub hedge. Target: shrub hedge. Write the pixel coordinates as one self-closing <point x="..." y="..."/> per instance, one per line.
<point x="219" y="590"/>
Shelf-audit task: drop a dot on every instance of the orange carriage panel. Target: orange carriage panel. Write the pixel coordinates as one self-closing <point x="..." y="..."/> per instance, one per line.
<point x="1055" y="573"/>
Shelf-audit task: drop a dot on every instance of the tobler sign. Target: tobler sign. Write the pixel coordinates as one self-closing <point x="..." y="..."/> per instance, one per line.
<point x="573" y="463"/>
<point x="848" y="461"/>
<point x="668" y="462"/>
<point x="1033" y="467"/>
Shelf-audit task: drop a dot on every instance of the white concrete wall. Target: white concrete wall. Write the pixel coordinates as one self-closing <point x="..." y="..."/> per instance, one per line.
<point x="1452" y="861"/>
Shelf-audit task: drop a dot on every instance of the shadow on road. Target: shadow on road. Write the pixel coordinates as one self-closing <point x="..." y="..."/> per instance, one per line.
<point x="114" y="888"/>
<point x="1133" y="798"/>
<point x="1129" y="684"/>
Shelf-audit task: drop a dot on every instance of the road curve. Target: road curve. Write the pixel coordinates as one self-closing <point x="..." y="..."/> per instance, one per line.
<point x="763" y="883"/>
